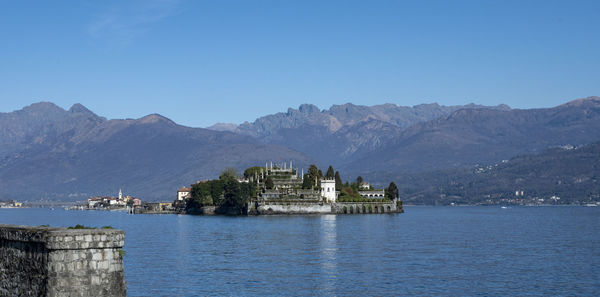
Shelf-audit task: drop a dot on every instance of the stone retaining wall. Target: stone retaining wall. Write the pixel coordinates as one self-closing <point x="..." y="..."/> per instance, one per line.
<point x="293" y="208"/>
<point x="42" y="261"/>
<point x="296" y="207"/>
<point x="365" y="207"/>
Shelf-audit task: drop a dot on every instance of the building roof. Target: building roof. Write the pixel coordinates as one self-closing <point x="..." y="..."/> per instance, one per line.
<point x="184" y="189"/>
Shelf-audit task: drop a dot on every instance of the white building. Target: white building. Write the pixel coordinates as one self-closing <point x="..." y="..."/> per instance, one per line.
<point x="328" y="190"/>
<point x="93" y="201"/>
<point x="375" y="194"/>
<point x="110" y="200"/>
<point x="183" y="193"/>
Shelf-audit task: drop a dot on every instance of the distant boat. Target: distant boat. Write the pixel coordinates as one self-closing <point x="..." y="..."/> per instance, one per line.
<point x="591" y="205"/>
<point x="504" y="207"/>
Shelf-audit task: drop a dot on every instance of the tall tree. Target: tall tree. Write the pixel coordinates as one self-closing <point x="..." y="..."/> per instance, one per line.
<point x="229" y="172"/>
<point x="359" y="180"/>
<point x="216" y="191"/>
<point x="269" y="183"/>
<point x="251" y="171"/>
<point x="231" y="192"/>
<point x="200" y="196"/>
<point x="306" y="182"/>
<point x="313" y="171"/>
<point x="391" y="192"/>
<point x="338" y="181"/>
<point x="330" y="173"/>
<point x="199" y="190"/>
<point x="314" y="175"/>
<point x="319" y="177"/>
<point x="247" y="191"/>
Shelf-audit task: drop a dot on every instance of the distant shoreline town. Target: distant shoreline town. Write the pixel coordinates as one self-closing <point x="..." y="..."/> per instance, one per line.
<point x="11" y="204"/>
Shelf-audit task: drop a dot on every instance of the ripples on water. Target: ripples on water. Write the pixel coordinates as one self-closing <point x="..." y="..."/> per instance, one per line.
<point x="456" y="251"/>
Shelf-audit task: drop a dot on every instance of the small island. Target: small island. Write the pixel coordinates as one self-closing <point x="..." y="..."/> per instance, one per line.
<point x="281" y="189"/>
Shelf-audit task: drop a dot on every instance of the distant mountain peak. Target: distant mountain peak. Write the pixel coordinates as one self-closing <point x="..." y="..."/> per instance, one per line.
<point x="43" y="106"/>
<point x="424" y="105"/>
<point x="503" y="107"/>
<point x="82" y="110"/>
<point x="308" y="108"/>
<point x="592" y="100"/>
<point x="154" y="118"/>
<point x="77" y="107"/>
<point x="230" y="127"/>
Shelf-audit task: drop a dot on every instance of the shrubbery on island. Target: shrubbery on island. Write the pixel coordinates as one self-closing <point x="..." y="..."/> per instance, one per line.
<point x="227" y="194"/>
<point x="230" y="193"/>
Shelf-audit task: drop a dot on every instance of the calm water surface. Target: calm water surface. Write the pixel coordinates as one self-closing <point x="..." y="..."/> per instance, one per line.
<point x="457" y="251"/>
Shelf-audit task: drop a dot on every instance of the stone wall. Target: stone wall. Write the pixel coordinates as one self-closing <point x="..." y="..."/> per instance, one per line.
<point x="292" y="208"/>
<point x="296" y="207"/>
<point x="205" y="210"/>
<point x="366" y="207"/>
<point x="42" y="261"/>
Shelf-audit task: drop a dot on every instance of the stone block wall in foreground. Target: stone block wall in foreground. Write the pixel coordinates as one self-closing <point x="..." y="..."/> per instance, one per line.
<point x="42" y="261"/>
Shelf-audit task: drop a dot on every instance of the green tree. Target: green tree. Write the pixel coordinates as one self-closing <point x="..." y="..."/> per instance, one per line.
<point x="236" y="194"/>
<point x="200" y="195"/>
<point x="313" y="171"/>
<point x="391" y="192"/>
<point x="330" y="173"/>
<point x="231" y="192"/>
<point x="269" y="183"/>
<point x="349" y="192"/>
<point x="216" y="191"/>
<point x="200" y="189"/>
<point x="247" y="191"/>
<point x="306" y="182"/>
<point x="314" y="175"/>
<point x="338" y="181"/>
<point x="359" y="180"/>
<point x="251" y="171"/>
<point x="319" y="178"/>
<point x="229" y="172"/>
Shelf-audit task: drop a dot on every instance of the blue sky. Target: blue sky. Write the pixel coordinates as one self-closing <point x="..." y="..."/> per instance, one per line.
<point x="200" y="62"/>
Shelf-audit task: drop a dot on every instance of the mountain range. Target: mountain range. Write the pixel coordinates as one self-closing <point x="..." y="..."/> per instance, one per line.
<point x="342" y="133"/>
<point x="47" y="152"/>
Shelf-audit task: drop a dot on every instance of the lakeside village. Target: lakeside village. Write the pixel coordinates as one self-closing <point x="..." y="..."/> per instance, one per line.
<point x="11" y="204"/>
<point x="273" y="189"/>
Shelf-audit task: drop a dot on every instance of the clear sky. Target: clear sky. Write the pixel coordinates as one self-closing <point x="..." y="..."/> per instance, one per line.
<point x="202" y="62"/>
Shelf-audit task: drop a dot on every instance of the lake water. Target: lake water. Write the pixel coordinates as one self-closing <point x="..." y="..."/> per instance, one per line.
<point x="456" y="251"/>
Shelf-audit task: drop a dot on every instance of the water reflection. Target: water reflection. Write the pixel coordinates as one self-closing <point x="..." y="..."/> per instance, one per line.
<point x="329" y="249"/>
<point x="182" y="242"/>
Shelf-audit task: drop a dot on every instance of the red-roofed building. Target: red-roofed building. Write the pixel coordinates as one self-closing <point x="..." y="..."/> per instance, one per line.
<point x="183" y="193"/>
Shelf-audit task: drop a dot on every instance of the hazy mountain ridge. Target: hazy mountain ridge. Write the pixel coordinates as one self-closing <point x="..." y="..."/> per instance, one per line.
<point x="348" y="114"/>
<point x="309" y="129"/>
<point x="479" y="136"/>
<point x="573" y="174"/>
<point x="149" y="157"/>
<point x="44" y="125"/>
